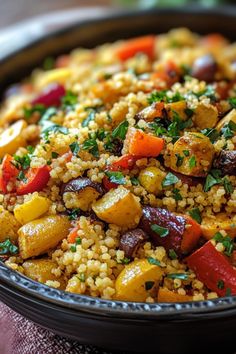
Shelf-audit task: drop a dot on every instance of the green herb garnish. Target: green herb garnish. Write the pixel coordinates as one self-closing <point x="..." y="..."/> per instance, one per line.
<point x="73" y="248"/>
<point x="92" y="146"/>
<point x="169" y="180"/>
<point x="54" y="154"/>
<point x="186" y="152"/>
<point x="78" y="241"/>
<point x="134" y="181"/>
<point x="232" y="101"/>
<point x="182" y="276"/>
<point x="226" y="241"/>
<point x="7" y="247"/>
<point x="21" y="177"/>
<point x="81" y="277"/>
<point x="161" y="231"/>
<point x="121" y="130"/>
<point x="228" y="185"/>
<point x="116" y="177"/>
<point x="74" y="214"/>
<point x="38" y="108"/>
<point x="176" y="194"/>
<point x="220" y="284"/>
<point x="89" y="118"/>
<point x="192" y="162"/>
<point x="22" y="161"/>
<point x="211" y="133"/>
<point x="69" y="100"/>
<point x="172" y="254"/>
<point x="213" y="178"/>
<point x="196" y="215"/>
<point x="179" y="160"/>
<point x="153" y="261"/>
<point x="74" y="147"/>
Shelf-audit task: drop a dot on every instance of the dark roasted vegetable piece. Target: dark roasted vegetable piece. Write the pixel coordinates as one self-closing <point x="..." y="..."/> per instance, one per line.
<point x="204" y="68"/>
<point x="178" y="232"/>
<point x="86" y="192"/>
<point x="131" y="241"/>
<point x="226" y="162"/>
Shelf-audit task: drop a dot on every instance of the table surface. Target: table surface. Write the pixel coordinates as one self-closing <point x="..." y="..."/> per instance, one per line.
<point x="12" y="11"/>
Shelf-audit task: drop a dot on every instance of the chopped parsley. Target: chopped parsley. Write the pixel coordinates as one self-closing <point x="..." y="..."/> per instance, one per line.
<point x="7" y="247"/>
<point x="54" y="154"/>
<point x="169" y="180"/>
<point x="38" y="108"/>
<point x="134" y="181"/>
<point x="73" y="248"/>
<point x="228" y="185"/>
<point x="149" y="285"/>
<point x="121" y="130"/>
<point x="21" y="177"/>
<point x="220" y="284"/>
<point x="81" y="277"/>
<point x="74" y="147"/>
<point x="116" y="177"/>
<point x="192" y="162"/>
<point x="179" y="160"/>
<point x="78" y="241"/>
<point x="213" y="178"/>
<point x="172" y="254"/>
<point x="47" y="115"/>
<point x="153" y="261"/>
<point x="73" y="214"/>
<point x="196" y="215"/>
<point x="176" y="194"/>
<point x="182" y="276"/>
<point x="232" y="102"/>
<point x="91" y="145"/>
<point x="22" y="161"/>
<point x="125" y="260"/>
<point x="158" y="96"/>
<point x="161" y="231"/>
<point x="53" y="128"/>
<point x="228" y="130"/>
<point x="69" y="100"/>
<point x="186" y="152"/>
<point x="211" y="133"/>
<point x="157" y="127"/>
<point x="89" y="118"/>
<point x="226" y="241"/>
<point x="189" y="112"/>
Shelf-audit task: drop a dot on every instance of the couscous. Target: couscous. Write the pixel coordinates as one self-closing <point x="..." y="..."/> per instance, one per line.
<point x="118" y="170"/>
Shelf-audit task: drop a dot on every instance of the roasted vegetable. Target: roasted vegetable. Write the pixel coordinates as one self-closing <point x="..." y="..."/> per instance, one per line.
<point x="131" y="284"/>
<point x="204" y="68"/>
<point x="151" y="179"/>
<point x="129" y="48"/>
<point x="205" y="116"/>
<point x="213" y="269"/>
<point x="192" y="155"/>
<point x="231" y="116"/>
<point x="120" y="207"/>
<point x="226" y="162"/>
<point x="155" y="110"/>
<point x="39" y="236"/>
<point x="178" y="232"/>
<point x="8" y="174"/>
<point x="51" y="96"/>
<point x="35" y="180"/>
<point x="41" y="270"/>
<point x="82" y="191"/>
<point x="179" y="108"/>
<point x="11" y="138"/>
<point x="221" y="221"/>
<point x="142" y="144"/>
<point x="166" y="295"/>
<point x="131" y="241"/>
<point x="8" y="226"/>
<point x="32" y="209"/>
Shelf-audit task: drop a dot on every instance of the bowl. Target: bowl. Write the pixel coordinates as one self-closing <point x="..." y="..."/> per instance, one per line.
<point x="164" y="328"/>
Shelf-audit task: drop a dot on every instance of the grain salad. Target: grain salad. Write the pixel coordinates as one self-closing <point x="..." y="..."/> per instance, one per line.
<point x="118" y="170"/>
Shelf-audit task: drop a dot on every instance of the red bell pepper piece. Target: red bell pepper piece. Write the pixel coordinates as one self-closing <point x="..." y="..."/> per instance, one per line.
<point x="37" y="179"/>
<point x="125" y="162"/>
<point x="51" y="96"/>
<point x="129" y="48"/>
<point x="8" y="173"/>
<point x="213" y="269"/>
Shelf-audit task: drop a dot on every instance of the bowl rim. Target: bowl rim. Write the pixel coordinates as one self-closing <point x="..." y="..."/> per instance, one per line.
<point x="83" y="303"/>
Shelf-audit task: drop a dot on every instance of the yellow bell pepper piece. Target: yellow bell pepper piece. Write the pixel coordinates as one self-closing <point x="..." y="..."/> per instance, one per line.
<point x="56" y="75"/>
<point x="32" y="209"/>
<point x="131" y="282"/>
<point x="11" y="139"/>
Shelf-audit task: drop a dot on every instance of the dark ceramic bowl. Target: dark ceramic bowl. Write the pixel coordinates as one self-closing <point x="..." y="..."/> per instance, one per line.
<point x="206" y="326"/>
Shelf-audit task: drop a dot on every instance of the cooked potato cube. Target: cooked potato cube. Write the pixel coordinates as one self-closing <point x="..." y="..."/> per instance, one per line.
<point x="136" y="280"/>
<point x="205" y="116"/>
<point x="41" y="270"/>
<point x="192" y="155"/>
<point x="231" y="116"/>
<point x="120" y="207"/>
<point x="8" y="226"/>
<point x="31" y="210"/>
<point x="178" y="108"/>
<point x="40" y="235"/>
<point x="221" y="221"/>
<point x="151" y="178"/>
